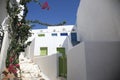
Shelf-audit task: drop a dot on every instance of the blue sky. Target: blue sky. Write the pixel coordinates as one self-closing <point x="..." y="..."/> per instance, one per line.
<point x="60" y="10"/>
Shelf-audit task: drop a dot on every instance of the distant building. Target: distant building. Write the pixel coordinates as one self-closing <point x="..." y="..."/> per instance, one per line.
<point x="49" y="41"/>
<point x="51" y="46"/>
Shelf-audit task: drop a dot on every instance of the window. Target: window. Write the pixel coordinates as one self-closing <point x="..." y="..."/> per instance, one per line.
<point x="64" y="34"/>
<point x="43" y="51"/>
<point x="41" y="35"/>
<point x="74" y="39"/>
<point x="54" y="34"/>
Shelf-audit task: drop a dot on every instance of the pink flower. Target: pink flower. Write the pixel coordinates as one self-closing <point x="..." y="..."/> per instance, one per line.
<point x="12" y="69"/>
<point x="45" y="6"/>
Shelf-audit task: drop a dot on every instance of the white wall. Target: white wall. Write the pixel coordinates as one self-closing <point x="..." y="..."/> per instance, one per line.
<point x="48" y="65"/>
<point x="99" y="20"/>
<point x="94" y="61"/>
<point x="102" y="60"/>
<point x="76" y="64"/>
<point x="29" y="51"/>
<point x="98" y="23"/>
<point x="3" y="53"/>
<point x="52" y="42"/>
<point x="3" y="12"/>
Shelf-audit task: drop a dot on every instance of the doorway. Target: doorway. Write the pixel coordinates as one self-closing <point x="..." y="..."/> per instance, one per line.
<point x="62" y="62"/>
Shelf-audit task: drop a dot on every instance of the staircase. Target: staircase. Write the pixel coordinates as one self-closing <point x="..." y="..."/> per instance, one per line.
<point x="30" y="70"/>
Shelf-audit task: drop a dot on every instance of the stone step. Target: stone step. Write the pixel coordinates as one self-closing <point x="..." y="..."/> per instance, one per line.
<point x="30" y="71"/>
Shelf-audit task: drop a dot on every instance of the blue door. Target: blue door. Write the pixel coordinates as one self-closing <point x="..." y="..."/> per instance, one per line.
<point x="74" y="38"/>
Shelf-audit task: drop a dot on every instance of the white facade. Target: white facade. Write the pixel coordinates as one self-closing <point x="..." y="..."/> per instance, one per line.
<point x="5" y="42"/>
<point x="52" y="38"/>
<point x="99" y="20"/>
<point x="97" y="56"/>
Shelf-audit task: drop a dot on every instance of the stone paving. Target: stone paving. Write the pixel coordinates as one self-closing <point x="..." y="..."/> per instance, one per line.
<point x="30" y="70"/>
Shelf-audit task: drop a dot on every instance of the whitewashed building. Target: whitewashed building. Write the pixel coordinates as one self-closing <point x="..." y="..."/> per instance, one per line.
<point x="97" y="56"/>
<point x="49" y="41"/>
<point x="50" y="46"/>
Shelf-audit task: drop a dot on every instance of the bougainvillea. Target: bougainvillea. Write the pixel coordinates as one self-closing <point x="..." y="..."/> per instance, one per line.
<point x="45" y="6"/>
<point x="19" y="30"/>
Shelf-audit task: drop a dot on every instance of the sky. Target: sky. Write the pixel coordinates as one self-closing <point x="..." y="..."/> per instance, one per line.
<point x="60" y="10"/>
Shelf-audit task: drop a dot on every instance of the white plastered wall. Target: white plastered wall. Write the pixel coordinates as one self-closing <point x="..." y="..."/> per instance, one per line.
<point x="99" y="20"/>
